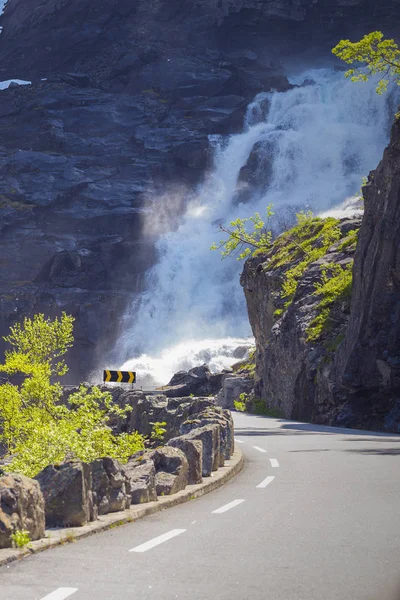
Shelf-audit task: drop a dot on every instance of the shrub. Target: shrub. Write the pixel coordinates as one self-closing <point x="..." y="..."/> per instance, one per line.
<point x="36" y="428"/>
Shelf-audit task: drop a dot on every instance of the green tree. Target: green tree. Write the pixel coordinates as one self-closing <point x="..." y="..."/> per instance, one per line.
<point x="36" y="427"/>
<point x="244" y="240"/>
<point x="370" y="56"/>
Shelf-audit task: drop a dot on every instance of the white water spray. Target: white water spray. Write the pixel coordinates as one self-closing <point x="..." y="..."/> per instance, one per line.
<point x="311" y="146"/>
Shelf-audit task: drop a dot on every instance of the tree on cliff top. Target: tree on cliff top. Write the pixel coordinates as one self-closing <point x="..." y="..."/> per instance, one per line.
<point x="36" y="427"/>
<point x="372" y="55"/>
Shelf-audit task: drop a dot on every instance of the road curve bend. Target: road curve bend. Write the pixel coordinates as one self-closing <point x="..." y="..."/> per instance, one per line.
<point x="314" y="515"/>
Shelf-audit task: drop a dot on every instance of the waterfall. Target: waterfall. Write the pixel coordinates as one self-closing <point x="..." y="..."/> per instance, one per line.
<point x="307" y="148"/>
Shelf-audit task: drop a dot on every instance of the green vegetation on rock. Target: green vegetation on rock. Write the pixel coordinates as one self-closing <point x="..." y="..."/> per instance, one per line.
<point x="247" y="366"/>
<point x="335" y="286"/>
<point x="297" y="248"/>
<point x="36" y="427"/>
<point x="20" y="538"/>
<point x="256" y="406"/>
<point x="248" y="242"/>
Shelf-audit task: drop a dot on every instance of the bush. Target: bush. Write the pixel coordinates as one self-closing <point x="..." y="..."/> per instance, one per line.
<point x="36" y="428"/>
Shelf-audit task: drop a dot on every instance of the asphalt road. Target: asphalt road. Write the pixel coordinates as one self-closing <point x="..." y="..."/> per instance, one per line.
<point x="314" y="515"/>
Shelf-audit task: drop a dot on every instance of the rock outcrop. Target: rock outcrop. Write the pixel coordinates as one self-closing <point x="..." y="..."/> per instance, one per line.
<point x="21" y="508"/>
<point x="198" y="381"/>
<point x="103" y="133"/>
<point x="368" y="361"/>
<point x="348" y="374"/>
<point x="293" y="374"/>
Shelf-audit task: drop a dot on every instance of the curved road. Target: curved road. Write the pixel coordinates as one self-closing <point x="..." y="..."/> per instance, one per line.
<point x="314" y="515"/>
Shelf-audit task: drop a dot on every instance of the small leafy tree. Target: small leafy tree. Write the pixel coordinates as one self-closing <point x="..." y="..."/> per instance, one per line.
<point x="246" y="241"/>
<point x="158" y="432"/>
<point x="370" y="56"/>
<point x="36" y="427"/>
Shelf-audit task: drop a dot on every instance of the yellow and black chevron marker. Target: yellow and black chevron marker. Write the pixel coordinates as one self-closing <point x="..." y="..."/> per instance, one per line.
<point x="119" y="376"/>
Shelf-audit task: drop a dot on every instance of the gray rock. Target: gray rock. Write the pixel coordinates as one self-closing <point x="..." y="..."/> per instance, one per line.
<point x="21" y="507"/>
<point x="193" y="450"/>
<point x="198" y="381"/>
<point x="120" y="498"/>
<point x="66" y="490"/>
<point x="141" y="474"/>
<point x="172" y="469"/>
<point x="101" y="487"/>
<point x="167" y="483"/>
<point x="232" y="387"/>
<point x="223" y="418"/>
<point x="209" y="436"/>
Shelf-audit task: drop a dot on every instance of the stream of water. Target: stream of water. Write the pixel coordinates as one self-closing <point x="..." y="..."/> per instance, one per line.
<point x="309" y="149"/>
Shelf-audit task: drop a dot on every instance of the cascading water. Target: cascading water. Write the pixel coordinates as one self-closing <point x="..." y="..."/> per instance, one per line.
<point x="307" y="148"/>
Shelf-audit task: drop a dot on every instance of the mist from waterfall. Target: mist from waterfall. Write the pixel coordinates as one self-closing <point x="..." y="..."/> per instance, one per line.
<point x="309" y="148"/>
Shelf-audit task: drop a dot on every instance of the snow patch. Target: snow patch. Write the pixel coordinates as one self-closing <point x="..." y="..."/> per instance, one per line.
<point x="6" y="84"/>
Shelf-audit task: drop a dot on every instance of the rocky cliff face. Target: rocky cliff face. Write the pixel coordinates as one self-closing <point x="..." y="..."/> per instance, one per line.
<point x="83" y="152"/>
<point x="348" y="373"/>
<point x="124" y="97"/>
<point x="295" y="364"/>
<point x="368" y="362"/>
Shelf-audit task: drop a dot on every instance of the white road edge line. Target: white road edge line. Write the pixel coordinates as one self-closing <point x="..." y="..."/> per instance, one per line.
<point x="274" y="463"/>
<point x="226" y="507"/>
<point x="266" y="482"/>
<point x="239" y="441"/>
<point x="60" y="594"/>
<point x="258" y="448"/>
<point x="158" y="540"/>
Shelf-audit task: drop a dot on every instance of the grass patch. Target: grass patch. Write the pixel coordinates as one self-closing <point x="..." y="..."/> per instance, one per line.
<point x="256" y="406"/>
<point x="297" y="248"/>
<point x="334" y="287"/>
<point x="350" y="241"/>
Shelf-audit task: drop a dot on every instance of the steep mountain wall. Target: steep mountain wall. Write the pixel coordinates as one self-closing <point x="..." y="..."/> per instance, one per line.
<point x="347" y="373"/>
<point x="124" y="96"/>
<point x="368" y="362"/>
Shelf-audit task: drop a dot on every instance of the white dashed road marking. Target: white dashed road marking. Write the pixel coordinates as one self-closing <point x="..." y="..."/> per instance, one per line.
<point x="228" y="506"/>
<point x="266" y="482"/>
<point x="258" y="448"/>
<point x="158" y="540"/>
<point x="60" y="594"/>
<point x="274" y="462"/>
<point x="239" y="441"/>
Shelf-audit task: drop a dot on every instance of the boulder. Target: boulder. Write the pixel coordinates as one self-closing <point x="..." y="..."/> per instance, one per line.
<point x="172" y="470"/>
<point x="232" y="387"/>
<point x="101" y="488"/>
<point x="209" y="436"/>
<point x="223" y="418"/>
<point x="21" y="507"/>
<point x="120" y="498"/>
<point x="141" y="475"/>
<point x="66" y="489"/>
<point x="193" y="450"/>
